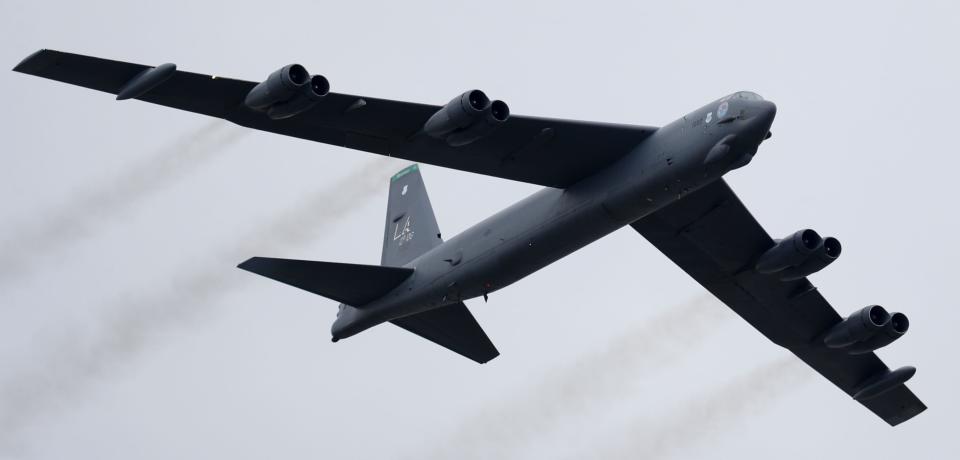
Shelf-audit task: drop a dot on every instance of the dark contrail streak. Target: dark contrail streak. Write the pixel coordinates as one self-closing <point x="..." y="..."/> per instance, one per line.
<point x="129" y="324"/>
<point x="595" y="379"/>
<point x="80" y="214"/>
<point x="708" y="416"/>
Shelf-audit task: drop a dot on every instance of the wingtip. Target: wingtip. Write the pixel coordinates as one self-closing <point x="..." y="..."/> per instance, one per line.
<point x="247" y="264"/>
<point x="33" y="62"/>
<point x="907" y="414"/>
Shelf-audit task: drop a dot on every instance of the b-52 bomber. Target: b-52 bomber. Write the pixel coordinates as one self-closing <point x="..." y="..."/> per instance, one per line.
<point x="664" y="182"/>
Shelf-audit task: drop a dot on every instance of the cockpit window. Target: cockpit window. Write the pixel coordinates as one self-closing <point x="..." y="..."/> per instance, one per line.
<point x="747" y="95"/>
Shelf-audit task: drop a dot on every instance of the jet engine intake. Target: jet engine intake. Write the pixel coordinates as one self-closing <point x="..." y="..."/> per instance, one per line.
<point x="893" y="330"/>
<point x="799" y="255"/>
<point x="466" y="118"/>
<point x="828" y="252"/>
<point x="858" y="327"/>
<point x="287" y="92"/>
<point x="790" y="251"/>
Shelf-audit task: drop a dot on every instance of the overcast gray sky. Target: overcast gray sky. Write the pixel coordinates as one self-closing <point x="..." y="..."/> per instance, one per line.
<point x="126" y="331"/>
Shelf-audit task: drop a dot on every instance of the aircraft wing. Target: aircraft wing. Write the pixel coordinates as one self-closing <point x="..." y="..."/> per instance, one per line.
<point x="715" y="239"/>
<point x="544" y="151"/>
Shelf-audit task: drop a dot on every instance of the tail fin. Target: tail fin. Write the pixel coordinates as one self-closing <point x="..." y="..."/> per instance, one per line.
<point x="351" y="284"/>
<point x="411" y="228"/>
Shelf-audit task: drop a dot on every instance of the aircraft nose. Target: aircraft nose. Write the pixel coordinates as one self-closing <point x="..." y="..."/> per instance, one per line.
<point x="766" y="110"/>
<point x="763" y="114"/>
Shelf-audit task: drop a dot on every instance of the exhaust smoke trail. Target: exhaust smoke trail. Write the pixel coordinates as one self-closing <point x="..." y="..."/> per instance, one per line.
<point x="133" y="320"/>
<point x="593" y="380"/>
<point x="707" y="417"/>
<point x="80" y="214"/>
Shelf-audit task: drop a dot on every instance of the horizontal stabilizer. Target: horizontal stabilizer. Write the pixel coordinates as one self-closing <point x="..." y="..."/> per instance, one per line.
<point x="352" y="284"/>
<point x="454" y="328"/>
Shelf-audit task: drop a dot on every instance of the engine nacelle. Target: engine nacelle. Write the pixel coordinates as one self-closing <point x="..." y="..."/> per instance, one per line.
<point x="466" y="118"/>
<point x="894" y="329"/>
<point x="789" y="252"/>
<point x="495" y="116"/>
<point x="305" y="99"/>
<point x="287" y="92"/>
<point x="858" y="327"/>
<point x="280" y="86"/>
<point x="825" y="255"/>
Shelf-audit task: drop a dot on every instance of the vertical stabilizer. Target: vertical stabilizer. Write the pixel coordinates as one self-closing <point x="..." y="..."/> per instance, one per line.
<point x="411" y="228"/>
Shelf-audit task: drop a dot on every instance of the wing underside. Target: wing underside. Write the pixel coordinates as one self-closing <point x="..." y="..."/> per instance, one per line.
<point x="544" y="151"/>
<point x="713" y="237"/>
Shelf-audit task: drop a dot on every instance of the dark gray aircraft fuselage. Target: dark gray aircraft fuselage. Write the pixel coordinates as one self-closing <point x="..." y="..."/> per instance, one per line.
<point x="677" y="159"/>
